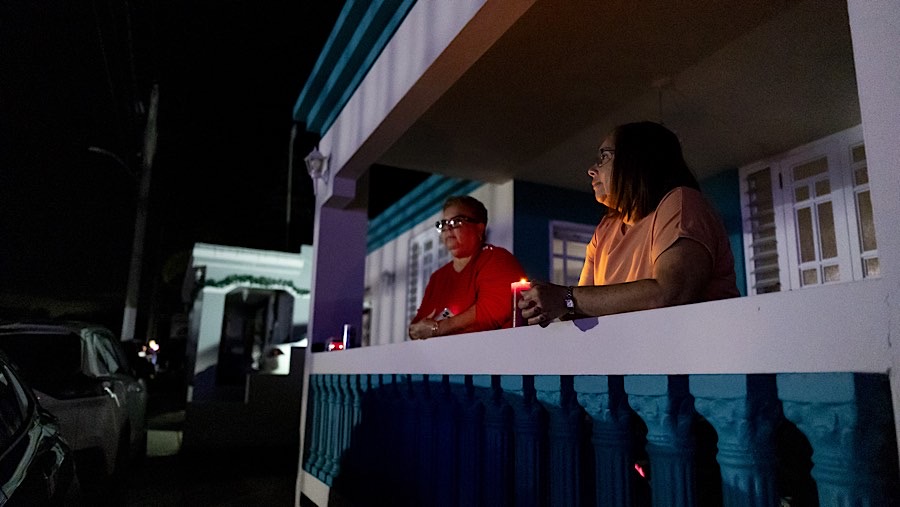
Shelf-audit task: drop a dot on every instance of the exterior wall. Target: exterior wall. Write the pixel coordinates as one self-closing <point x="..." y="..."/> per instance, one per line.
<point x="723" y="191"/>
<point x="386" y="267"/>
<point x="535" y="206"/>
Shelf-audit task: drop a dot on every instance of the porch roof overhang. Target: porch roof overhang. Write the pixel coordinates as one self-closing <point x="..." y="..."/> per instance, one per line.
<point x="527" y="91"/>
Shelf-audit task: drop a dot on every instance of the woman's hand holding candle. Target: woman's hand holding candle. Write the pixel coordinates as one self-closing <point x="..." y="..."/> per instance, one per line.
<point x="543" y="303"/>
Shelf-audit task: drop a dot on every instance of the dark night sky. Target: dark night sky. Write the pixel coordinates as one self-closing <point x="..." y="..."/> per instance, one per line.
<point x="72" y="75"/>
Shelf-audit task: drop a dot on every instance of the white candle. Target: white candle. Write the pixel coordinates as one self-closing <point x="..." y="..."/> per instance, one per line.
<point x="517" y="288"/>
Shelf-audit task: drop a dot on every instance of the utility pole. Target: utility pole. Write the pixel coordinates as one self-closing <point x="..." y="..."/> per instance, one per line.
<point x="129" y="319"/>
<point x="290" y="187"/>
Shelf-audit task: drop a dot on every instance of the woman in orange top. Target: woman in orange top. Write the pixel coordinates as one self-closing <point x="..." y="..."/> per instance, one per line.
<point x="659" y="244"/>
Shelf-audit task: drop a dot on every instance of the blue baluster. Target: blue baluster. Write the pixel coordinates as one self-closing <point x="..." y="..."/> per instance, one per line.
<point x="446" y="430"/>
<point x="848" y="420"/>
<point x="530" y="430"/>
<point x="744" y="410"/>
<point x="604" y="399"/>
<point x="426" y="440"/>
<point x="471" y="438"/>
<point x="315" y="423"/>
<point x="350" y="480"/>
<point x="667" y="407"/>
<point x="328" y="426"/>
<point x="339" y="428"/>
<point x="498" y="451"/>
<point x="565" y="431"/>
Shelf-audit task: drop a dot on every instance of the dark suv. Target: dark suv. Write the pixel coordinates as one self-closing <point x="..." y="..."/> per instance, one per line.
<point x="36" y="466"/>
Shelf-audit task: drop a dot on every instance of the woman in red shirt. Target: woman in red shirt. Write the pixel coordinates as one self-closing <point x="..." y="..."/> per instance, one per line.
<point x="471" y="292"/>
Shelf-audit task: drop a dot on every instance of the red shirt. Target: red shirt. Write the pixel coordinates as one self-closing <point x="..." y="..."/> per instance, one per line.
<point x="484" y="282"/>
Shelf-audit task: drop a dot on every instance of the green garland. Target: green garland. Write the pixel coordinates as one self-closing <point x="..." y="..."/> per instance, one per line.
<point x="255" y="280"/>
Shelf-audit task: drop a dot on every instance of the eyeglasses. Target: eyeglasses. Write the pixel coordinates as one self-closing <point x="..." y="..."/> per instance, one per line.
<point x="453" y="223"/>
<point x="603" y="156"/>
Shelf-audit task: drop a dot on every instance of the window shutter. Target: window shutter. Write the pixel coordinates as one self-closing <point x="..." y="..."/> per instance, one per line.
<point x="761" y="233"/>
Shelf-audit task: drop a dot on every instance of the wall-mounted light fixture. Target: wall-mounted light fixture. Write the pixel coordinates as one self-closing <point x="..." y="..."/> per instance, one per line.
<point x="317" y="167"/>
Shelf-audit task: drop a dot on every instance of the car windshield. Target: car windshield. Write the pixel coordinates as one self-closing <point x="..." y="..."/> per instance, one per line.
<point x="44" y="359"/>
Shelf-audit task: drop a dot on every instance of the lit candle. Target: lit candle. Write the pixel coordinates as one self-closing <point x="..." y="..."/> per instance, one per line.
<point x="517" y="288"/>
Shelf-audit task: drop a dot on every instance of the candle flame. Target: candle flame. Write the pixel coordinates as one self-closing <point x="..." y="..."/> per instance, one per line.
<point x="640" y="470"/>
<point x="523" y="280"/>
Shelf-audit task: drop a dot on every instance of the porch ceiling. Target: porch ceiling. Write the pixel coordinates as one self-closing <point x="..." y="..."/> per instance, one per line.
<point x="737" y="81"/>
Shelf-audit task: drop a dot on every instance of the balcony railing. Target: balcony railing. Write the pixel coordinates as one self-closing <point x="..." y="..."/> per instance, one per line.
<point x="782" y="398"/>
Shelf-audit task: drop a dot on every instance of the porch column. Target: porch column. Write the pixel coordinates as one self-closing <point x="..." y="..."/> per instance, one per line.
<point x="667" y="407"/>
<point x="339" y="258"/>
<point x="744" y="410"/>
<point x="847" y="419"/>
<point x="875" y="33"/>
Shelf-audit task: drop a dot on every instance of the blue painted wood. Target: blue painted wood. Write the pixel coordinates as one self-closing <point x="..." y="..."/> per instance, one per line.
<point x="471" y="443"/>
<point x="337" y="428"/>
<point x="327" y="434"/>
<point x="744" y="410"/>
<point x="530" y="431"/>
<point x="390" y="439"/>
<point x="446" y="430"/>
<point x="351" y="475"/>
<point x="565" y="432"/>
<point x="317" y="423"/>
<point x="447" y="440"/>
<point x="344" y="28"/>
<point x="848" y="420"/>
<point x="667" y="407"/>
<point x="426" y="438"/>
<point x="604" y="400"/>
<point x="498" y="449"/>
<point x="360" y="34"/>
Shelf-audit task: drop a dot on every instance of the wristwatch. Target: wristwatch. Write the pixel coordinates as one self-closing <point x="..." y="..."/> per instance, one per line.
<point x="570" y="301"/>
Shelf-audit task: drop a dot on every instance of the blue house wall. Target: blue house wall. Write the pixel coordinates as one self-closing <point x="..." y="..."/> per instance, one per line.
<point x="723" y="191"/>
<point x="535" y="206"/>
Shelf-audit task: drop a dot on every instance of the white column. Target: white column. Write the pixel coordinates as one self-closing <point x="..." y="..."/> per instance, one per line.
<point x="875" y="31"/>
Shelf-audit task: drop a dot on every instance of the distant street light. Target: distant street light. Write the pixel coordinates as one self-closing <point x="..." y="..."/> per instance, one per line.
<point x="116" y="158"/>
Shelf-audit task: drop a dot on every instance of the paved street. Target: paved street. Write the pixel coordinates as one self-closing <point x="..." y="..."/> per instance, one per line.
<point x="170" y="476"/>
<point x="213" y="479"/>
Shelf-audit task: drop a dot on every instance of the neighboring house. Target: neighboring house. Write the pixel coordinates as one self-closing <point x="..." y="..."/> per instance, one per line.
<point x="249" y="308"/>
<point x="789" y="114"/>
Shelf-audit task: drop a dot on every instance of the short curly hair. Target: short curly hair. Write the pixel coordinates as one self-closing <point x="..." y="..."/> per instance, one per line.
<point x="473" y="205"/>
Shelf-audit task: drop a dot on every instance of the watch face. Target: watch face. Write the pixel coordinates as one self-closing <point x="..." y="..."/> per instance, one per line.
<point x="570" y="304"/>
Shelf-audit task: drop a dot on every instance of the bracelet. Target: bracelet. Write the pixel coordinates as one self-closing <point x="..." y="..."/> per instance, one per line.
<point x="434" y="329"/>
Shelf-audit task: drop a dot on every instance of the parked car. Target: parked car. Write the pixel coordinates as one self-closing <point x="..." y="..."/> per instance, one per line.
<point x="80" y="374"/>
<point x="36" y="464"/>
